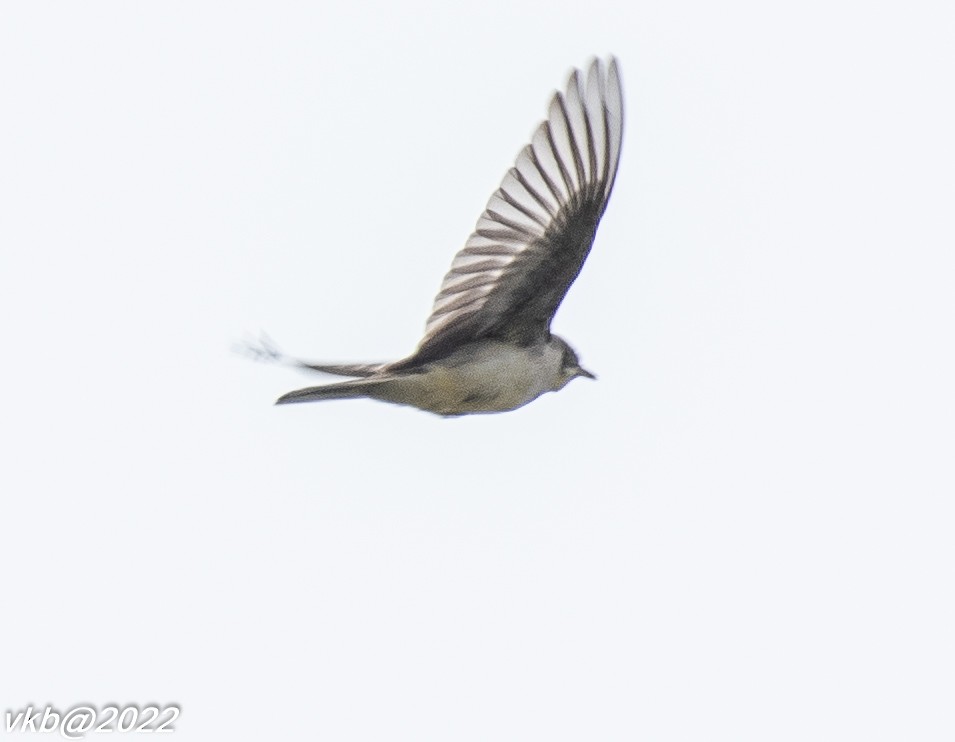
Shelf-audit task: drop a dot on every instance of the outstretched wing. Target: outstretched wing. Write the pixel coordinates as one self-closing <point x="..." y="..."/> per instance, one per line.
<point x="531" y="241"/>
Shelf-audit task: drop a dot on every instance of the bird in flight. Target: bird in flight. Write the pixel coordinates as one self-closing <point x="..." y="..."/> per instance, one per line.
<point x="487" y="345"/>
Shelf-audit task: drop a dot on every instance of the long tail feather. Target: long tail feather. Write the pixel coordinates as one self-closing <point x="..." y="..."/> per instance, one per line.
<point x="343" y="369"/>
<point x="342" y="390"/>
<point x="264" y="349"/>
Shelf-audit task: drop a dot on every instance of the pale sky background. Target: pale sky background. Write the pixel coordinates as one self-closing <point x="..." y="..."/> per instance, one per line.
<point x="742" y="531"/>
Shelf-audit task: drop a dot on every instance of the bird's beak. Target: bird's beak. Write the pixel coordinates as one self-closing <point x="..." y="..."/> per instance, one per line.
<point x="585" y="372"/>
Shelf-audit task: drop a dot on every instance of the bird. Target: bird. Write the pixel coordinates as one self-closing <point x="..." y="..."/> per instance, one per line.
<point x="487" y="345"/>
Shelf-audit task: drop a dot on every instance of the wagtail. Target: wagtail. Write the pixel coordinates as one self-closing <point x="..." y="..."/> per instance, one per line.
<point x="487" y="345"/>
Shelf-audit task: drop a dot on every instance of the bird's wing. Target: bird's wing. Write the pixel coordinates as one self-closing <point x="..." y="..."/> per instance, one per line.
<point x="531" y="241"/>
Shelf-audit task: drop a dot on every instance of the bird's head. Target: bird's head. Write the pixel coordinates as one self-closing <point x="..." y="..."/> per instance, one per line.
<point x="570" y="367"/>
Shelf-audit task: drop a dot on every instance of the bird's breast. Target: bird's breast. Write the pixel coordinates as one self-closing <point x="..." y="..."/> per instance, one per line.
<point x="492" y="376"/>
<point x="485" y="376"/>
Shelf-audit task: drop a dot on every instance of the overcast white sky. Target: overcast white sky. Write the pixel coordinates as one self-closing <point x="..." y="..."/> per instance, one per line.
<point x="742" y="531"/>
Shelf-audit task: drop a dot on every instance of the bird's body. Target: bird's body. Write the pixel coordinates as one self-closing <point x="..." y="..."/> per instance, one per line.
<point x="488" y="345"/>
<point x="484" y="376"/>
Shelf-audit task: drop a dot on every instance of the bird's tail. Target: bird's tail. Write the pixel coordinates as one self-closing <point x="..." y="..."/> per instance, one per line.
<point x="341" y="390"/>
<point x="264" y="349"/>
